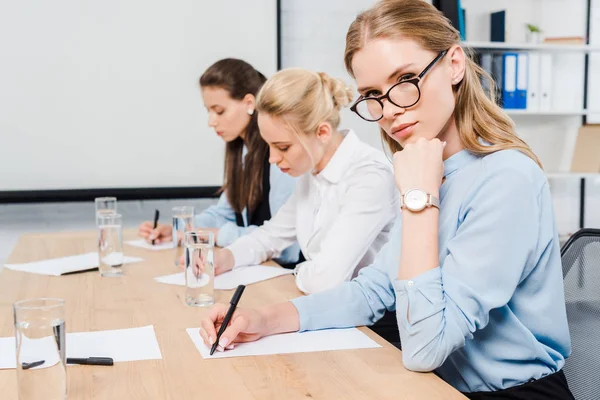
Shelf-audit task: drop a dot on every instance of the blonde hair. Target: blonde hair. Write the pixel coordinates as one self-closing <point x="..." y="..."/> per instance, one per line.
<point x="477" y="115"/>
<point x="304" y="99"/>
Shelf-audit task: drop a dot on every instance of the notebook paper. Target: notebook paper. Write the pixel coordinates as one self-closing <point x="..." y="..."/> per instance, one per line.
<point x="297" y="342"/>
<point x="149" y="246"/>
<point x="231" y="280"/>
<point x="64" y="265"/>
<point x="121" y="345"/>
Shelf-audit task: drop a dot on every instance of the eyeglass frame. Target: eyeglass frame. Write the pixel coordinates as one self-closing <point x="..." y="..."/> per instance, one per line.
<point x="415" y="81"/>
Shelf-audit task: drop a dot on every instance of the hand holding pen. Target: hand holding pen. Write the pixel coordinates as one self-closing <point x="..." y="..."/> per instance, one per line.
<point x="244" y="325"/>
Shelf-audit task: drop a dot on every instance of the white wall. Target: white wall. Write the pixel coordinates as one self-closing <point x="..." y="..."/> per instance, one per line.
<point x="105" y="93"/>
<point x="314" y="37"/>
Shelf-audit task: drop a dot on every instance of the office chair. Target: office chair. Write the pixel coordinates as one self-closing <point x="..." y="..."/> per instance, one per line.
<point x="581" y="273"/>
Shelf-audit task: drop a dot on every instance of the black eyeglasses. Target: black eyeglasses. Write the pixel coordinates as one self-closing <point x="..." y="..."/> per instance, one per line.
<point x="403" y="94"/>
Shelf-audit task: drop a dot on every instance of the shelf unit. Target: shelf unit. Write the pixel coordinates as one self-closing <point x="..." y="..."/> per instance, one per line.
<point x="566" y="113"/>
<point x="584" y="49"/>
<point x="548" y="47"/>
<point x="572" y="175"/>
<point x="542" y="47"/>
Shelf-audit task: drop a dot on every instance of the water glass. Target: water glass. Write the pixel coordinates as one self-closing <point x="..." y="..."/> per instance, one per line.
<point x="110" y="245"/>
<point x="183" y="221"/>
<point x="199" y="268"/>
<point x="105" y="206"/>
<point x="40" y="349"/>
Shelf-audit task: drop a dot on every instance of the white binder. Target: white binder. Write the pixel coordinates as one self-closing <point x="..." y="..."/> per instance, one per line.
<point x="546" y="82"/>
<point x="533" y="94"/>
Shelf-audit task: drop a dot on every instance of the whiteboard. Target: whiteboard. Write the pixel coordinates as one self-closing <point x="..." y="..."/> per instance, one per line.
<point x="104" y="94"/>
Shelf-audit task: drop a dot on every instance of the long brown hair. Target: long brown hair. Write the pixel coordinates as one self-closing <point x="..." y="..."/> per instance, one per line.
<point x="243" y="177"/>
<point x="477" y="115"/>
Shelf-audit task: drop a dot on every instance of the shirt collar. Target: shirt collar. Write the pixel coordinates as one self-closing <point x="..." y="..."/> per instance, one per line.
<point x="341" y="159"/>
<point x="457" y="161"/>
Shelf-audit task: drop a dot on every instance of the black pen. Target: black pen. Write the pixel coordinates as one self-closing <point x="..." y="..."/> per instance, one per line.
<point x="33" y="364"/>
<point x="232" y="305"/>
<point x="156" y="214"/>
<point x="91" y="361"/>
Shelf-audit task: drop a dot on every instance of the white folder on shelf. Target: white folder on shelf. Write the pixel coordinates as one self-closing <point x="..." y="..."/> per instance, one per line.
<point x="533" y="93"/>
<point x="545" y="82"/>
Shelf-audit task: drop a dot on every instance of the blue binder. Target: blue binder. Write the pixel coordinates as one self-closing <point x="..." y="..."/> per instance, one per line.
<point x="522" y="81"/>
<point x="509" y="81"/>
<point x="461" y="21"/>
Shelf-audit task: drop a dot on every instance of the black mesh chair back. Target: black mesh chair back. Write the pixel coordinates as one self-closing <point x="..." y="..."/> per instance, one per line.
<point x="581" y="272"/>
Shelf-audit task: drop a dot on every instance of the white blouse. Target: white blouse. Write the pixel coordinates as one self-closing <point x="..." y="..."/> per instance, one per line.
<point x="340" y="217"/>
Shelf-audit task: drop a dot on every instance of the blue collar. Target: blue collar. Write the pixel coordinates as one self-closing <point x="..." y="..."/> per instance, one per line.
<point x="457" y="161"/>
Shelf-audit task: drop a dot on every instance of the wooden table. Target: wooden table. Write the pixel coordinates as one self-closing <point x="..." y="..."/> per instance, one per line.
<point x="135" y="300"/>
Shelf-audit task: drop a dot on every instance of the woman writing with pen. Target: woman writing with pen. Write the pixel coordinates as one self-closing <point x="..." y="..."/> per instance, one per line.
<point x="253" y="190"/>
<point x="344" y="203"/>
<point x="472" y="268"/>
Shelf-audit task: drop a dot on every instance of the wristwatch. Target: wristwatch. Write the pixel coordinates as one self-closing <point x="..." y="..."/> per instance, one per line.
<point x="416" y="200"/>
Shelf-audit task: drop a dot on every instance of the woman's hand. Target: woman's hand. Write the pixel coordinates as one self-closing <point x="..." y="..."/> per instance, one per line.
<point x="223" y="260"/>
<point x="246" y="325"/>
<point x="215" y="232"/>
<point x="161" y="234"/>
<point x="420" y="166"/>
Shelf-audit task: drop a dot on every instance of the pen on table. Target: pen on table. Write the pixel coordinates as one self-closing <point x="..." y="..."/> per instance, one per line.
<point x="26" y="365"/>
<point x="232" y="306"/>
<point x="91" y="361"/>
<point x="156" y="214"/>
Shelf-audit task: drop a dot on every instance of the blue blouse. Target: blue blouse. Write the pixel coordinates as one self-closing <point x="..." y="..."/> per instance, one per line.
<point x="492" y="314"/>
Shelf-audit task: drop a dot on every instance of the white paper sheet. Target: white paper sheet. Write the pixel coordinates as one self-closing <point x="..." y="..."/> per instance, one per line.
<point x="196" y="281"/>
<point x="248" y="275"/>
<point x="121" y="345"/>
<point x="7" y="352"/>
<point x="325" y="340"/>
<point x="149" y="246"/>
<point x="63" y="265"/>
<point x="230" y="280"/>
<point x="173" y="279"/>
<point x="32" y="350"/>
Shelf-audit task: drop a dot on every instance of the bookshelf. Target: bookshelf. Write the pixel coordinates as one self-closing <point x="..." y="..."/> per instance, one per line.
<point x="572" y="175"/>
<point x="547" y="47"/>
<point x="552" y="130"/>
<point x="566" y="113"/>
<point x="561" y="66"/>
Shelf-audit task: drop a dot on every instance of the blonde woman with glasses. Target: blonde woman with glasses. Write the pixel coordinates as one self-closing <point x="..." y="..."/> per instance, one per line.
<point x="472" y="267"/>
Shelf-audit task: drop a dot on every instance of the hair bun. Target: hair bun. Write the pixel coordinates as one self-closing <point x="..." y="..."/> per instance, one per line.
<point x="342" y="94"/>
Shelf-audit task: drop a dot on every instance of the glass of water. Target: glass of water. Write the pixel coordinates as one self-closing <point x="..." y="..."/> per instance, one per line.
<point x="183" y="221"/>
<point x="199" y="268"/>
<point x="110" y="245"/>
<point x="105" y="206"/>
<point x="40" y="349"/>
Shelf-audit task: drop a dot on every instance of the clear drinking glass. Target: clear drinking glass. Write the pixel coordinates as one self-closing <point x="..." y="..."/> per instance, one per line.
<point x="40" y="349"/>
<point x="105" y="206"/>
<point x="183" y="221"/>
<point x="110" y="245"/>
<point x="199" y="268"/>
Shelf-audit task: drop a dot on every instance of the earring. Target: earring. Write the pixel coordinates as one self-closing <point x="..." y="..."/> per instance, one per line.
<point x="250" y="112"/>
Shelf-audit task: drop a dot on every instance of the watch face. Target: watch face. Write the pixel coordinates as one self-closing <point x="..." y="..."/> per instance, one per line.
<point x="415" y="199"/>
